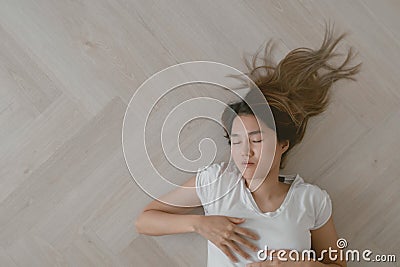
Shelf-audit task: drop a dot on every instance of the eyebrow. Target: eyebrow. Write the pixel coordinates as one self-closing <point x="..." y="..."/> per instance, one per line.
<point x="250" y="133"/>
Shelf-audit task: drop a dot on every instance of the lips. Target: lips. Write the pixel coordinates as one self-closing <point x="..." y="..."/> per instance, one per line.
<point x="247" y="163"/>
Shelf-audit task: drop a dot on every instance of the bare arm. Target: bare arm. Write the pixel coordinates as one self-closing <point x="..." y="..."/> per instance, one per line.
<point x="322" y="239"/>
<point x="158" y="218"/>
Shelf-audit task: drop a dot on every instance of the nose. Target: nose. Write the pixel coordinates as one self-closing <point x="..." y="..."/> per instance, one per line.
<point x="246" y="150"/>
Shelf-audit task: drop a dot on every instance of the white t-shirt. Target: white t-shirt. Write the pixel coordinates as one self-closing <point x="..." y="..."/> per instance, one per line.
<point x="223" y="191"/>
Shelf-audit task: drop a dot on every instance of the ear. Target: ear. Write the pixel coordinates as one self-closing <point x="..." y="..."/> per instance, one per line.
<point x="285" y="146"/>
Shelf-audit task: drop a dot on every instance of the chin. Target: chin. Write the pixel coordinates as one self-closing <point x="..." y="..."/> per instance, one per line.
<point x="247" y="175"/>
<point x="248" y="179"/>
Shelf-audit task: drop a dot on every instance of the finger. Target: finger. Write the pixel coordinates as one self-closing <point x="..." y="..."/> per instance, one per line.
<point x="246" y="232"/>
<point x="236" y="248"/>
<point x="228" y="253"/>
<point x="244" y="242"/>
<point x="253" y="264"/>
<point x="236" y="220"/>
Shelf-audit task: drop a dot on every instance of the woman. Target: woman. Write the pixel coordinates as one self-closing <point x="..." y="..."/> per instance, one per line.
<point x="249" y="207"/>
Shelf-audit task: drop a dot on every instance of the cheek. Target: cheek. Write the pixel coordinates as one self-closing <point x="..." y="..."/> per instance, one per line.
<point x="235" y="152"/>
<point x="236" y="155"/>
<point x="266" y="155"/>
<point x="266" y="152"/>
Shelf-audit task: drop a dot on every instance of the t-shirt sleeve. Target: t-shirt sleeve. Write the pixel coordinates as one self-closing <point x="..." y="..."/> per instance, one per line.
<point x="205" y="178"/>
<point x="323" y="208"/>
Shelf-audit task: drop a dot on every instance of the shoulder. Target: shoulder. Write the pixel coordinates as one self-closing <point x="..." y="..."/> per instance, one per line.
<point x="311" y="194"/>
<point x="211" y="172"/>
<point x="214" y="181"/>
<point x="316" y="201"/>
<point x="309" y="188"/>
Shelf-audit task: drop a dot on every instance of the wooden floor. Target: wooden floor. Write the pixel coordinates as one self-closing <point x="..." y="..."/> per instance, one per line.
<point x="68" y="70"/>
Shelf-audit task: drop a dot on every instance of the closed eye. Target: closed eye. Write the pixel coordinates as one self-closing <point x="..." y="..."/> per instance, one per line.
<point x="258" y="141"/>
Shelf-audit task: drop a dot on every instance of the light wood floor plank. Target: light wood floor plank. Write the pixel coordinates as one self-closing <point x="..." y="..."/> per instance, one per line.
<point x="68" y="70"/>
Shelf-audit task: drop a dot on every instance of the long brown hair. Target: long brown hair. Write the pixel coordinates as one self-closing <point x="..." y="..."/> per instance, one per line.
<point x="296" y="89"/>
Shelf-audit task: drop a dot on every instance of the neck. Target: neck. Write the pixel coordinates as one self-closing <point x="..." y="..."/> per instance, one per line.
<point x="269" y="188"/>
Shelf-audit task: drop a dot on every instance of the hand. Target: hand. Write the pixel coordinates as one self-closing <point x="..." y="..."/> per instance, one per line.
<point x="223" y="232"/>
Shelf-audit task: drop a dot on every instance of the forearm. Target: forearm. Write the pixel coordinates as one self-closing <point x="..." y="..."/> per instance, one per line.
<point x="155" y="222"/>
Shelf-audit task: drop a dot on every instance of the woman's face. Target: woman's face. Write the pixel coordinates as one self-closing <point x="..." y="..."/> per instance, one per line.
<point x="259" y="146"/>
